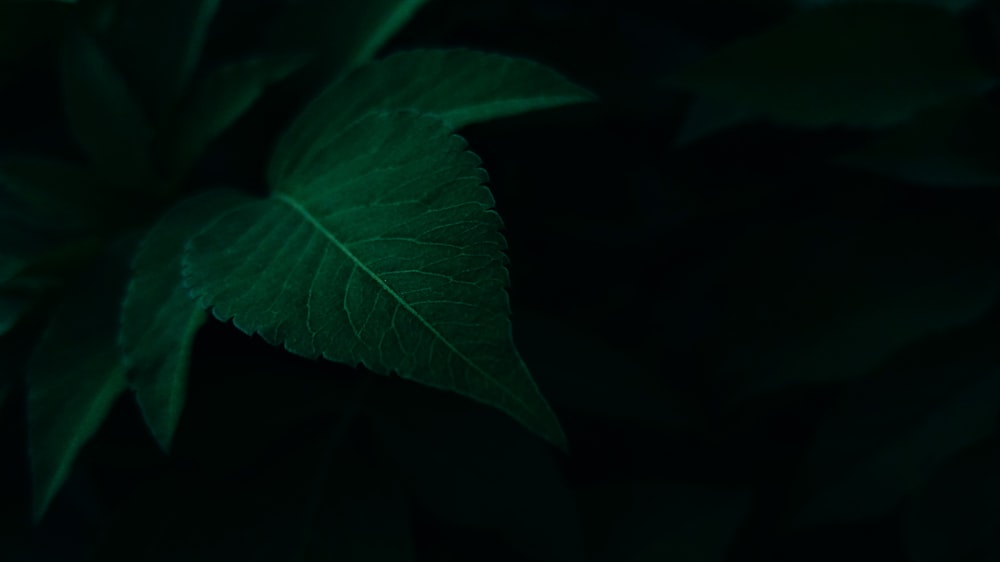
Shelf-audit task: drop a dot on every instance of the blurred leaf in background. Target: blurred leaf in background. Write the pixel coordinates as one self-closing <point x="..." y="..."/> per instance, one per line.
<point x="892" y="432"/>
<point x="855" y="64"/>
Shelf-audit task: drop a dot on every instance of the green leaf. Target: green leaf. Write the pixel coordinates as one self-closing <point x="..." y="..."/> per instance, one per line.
<point x="57" y="195"/>
<point x="106" y="120"/>
<point x="460" y="86"/>
<point x="158" y="44"/>
<point x="894" y="430"/>
<point x="648" y="520"/>
<point x="159" y="320"/>
<point x="343" y="34"/>
<point x="957" y="515"/>
<point x="380" y="249"/>
<point x="949" y="146"/>
<point x="848" y="64"/>
<point x="705" y="117"/>
<point x="470" y="467"/>
<point x="74" y="375"/>
<point x="217" y="101"/>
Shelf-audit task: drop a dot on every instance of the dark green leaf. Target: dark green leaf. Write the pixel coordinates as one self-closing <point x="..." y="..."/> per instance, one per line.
<point x="74" y="375"/>
<point x="957" y="515"/>
<point x="380" y="249"/>
<point x="892" y="431"/>
<point x="470" y="467"/>
<point x="855" y="64"/>
<point x="654" y="521"/>
<point x="107" y="121"/>
<point x="460" y="86"/>
<point x="158" y="44"/>
<point x="948" y="146"/>
<point x="705" y="117"/>
<point x="343" y="34"/>
<point x="217" y="101"/>
<point x="159" y="320"/>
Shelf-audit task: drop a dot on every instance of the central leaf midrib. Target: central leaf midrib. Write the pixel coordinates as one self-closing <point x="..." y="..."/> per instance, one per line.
<point x="297" y="207"/>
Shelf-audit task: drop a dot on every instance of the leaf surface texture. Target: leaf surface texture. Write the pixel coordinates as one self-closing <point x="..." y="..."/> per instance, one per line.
<point x="381" y="249"/>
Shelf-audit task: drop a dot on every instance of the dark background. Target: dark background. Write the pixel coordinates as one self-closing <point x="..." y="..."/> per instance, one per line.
<point x="757" y="354"/>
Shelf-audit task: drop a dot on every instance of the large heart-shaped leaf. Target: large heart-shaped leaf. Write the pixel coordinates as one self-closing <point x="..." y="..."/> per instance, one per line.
<point x="159" y="320"/>
<point x="380" y="249"/>
<point x="460" y="86"/>
<point x="74" y="375"/>
<point x="855" y="64"/>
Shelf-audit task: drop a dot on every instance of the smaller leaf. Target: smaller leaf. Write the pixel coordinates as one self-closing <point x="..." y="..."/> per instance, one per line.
<point x="107" y="121"/>
<point x="957" y="515"/>
<point x="216" y="102"/>
<point x="158" y="319"/>
<point x="75" y="375"/>
<point x="706" y="117"/>
<point x="854" y="64"/>
<point x="158" y="44"/>
<point x="344" y="35"/>
<point x="948" y="146"/>
<point x="460" y="86"/>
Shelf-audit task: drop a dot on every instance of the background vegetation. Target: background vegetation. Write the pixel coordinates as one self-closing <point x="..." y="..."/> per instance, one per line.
<point x="757" y="282"/>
